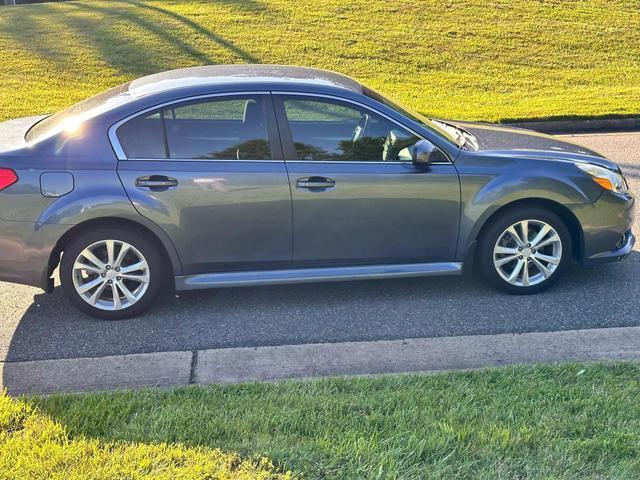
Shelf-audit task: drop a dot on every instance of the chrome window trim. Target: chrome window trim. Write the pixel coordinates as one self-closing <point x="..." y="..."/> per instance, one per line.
<point x="371" y="109"/>
<point x="210" y="160"/>
<point x="117" y="148"/>
<point x="357" y="162"/>
<point x="120" y="154"/>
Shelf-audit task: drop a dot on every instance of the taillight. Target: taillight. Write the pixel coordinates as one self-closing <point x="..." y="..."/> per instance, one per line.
<point x="7" y="178"/>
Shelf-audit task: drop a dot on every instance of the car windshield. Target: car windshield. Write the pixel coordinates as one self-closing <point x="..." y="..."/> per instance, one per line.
<point x="416" y="117"/>
<point x="71" y="118"/>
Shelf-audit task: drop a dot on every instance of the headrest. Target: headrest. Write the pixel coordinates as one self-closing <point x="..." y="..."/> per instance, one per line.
<point x="252" y="113"/>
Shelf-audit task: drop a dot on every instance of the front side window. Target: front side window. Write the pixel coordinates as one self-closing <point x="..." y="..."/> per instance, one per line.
<point x="330" y="130"/>
<point x="228" y="128"/>
<point x="416" y="117"/>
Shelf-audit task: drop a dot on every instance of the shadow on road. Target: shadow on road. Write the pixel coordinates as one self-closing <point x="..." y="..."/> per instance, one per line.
<point x="605" y="296"/>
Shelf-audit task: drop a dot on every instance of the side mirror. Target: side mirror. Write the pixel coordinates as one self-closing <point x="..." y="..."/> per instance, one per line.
<point x="423" y="152"/>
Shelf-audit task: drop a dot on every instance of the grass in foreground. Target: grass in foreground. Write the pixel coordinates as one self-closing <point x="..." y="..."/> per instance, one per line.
<point x="570" y="421"/>
<point x="33" y="446"/>
<point x="475" y="60"/>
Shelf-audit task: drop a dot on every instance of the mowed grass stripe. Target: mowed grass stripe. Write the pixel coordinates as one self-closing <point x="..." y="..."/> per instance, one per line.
<point x="475" y="60"/>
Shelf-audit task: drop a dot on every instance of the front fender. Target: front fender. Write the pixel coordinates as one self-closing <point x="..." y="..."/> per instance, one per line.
<point x="488" y="185"/>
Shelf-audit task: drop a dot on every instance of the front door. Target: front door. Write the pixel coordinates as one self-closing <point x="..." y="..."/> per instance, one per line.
<point x="357" y="196"/>
<point x="211" y="174"/>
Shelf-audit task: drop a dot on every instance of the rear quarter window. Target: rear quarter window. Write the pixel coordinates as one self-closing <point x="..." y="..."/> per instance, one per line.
<point x="142" y="137"/>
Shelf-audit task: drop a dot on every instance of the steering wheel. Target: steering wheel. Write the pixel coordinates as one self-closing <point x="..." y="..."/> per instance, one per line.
<point x="360" y="128"/>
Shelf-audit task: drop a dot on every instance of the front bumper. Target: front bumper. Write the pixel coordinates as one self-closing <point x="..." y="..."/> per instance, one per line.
<point x="615" y="255"/>
<point x="606" y="227"/>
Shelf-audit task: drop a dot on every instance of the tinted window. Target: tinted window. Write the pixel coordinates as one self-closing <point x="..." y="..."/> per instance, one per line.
<point x="416" y="117"/>
<point x="218" y="129"/>
<point x="327" y="130"/>
<point x="142" y="137"/>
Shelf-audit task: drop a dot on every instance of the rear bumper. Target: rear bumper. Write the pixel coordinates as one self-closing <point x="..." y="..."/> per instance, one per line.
<point x="25" y="248"/>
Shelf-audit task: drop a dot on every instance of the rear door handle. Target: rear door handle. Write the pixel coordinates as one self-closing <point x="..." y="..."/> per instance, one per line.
<point x="156" y="182"/>
<point x="316" y="182"/>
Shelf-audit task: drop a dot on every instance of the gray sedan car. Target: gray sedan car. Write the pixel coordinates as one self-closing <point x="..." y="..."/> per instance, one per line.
<point x="251" y="175"/>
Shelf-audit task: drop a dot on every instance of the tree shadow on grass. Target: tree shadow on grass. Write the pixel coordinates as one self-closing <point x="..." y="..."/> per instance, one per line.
<point x="27" y="28"/>
<point x="34" y="30"/>
<point x="155" y="21"/>
<point x="248" y="5"/>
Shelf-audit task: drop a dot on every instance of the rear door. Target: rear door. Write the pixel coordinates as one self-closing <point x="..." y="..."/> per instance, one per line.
<point x="357" y="196"/>
<point x="211" y="173"/>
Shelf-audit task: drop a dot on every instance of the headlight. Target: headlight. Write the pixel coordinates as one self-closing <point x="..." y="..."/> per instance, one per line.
<point x="605" y="178"/>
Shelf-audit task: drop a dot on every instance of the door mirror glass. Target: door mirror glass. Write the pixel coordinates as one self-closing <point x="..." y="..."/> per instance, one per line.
<point x="424" y="152"/>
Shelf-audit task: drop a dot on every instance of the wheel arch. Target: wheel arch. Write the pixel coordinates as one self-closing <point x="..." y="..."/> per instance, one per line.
<point x="164" y="244"/>
<point x="567" y="216"/>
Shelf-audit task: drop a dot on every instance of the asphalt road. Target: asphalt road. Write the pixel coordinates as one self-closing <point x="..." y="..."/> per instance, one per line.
<point x="36" y="326"/>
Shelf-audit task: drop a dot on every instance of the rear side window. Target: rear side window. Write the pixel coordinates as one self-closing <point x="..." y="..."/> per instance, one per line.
<point x="222" y="128"/>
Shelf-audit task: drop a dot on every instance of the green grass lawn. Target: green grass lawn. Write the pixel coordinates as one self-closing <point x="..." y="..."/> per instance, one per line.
<point x="556" y="422"/>
<point x="34" y="446"/>
<point x="476" y="60"/>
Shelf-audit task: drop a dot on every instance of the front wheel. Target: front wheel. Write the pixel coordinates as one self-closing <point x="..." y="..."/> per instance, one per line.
<point x="112" y="274"/>
<point x="525" y="251"/>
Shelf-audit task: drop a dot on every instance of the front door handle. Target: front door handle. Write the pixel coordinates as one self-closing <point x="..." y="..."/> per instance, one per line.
<point x="156" y="182"/>
<point x="316" y="182"/>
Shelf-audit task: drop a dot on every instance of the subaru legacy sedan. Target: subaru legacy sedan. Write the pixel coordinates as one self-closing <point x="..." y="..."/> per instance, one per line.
<point x="225" y="176"/>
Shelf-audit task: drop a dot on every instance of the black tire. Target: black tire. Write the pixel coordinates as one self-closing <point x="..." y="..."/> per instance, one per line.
<point x="494" y="230"/>
<point x="158" y="272"/>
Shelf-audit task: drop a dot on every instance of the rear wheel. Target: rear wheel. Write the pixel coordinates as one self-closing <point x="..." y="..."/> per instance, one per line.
<point x="112" y="274"/>
<point x="525" y="251"/>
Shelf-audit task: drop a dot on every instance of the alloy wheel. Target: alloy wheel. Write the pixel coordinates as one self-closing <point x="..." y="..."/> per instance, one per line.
<point x="527" y="253"/>
<point x="111" y="275"/>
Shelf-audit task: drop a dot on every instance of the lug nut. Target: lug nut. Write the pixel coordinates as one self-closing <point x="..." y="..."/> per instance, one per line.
<point x="528" y="244"/>
<point x="109" y="282"/>
<point x="118" y="278"/>
<point x="103" y="275"/>
<point x="117" y="269"/>
<point x="520" y="257"/>
<point x="108" y="267"/>
<point x="519" y="249"/>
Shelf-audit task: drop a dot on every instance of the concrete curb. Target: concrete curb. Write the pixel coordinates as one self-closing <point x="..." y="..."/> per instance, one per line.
<point x="235" y="365"/>
<point x="164" y="369"/>
<point x="580" y="126"/>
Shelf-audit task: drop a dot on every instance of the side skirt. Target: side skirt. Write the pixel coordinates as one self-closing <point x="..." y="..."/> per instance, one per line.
<point x="310" y="275"/>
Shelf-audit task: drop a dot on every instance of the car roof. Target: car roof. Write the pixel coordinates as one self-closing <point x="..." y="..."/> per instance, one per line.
<point x="240" y="75"/>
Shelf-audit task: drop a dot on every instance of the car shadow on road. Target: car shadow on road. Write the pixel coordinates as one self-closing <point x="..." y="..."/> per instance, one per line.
<point x="604" y="296"/>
